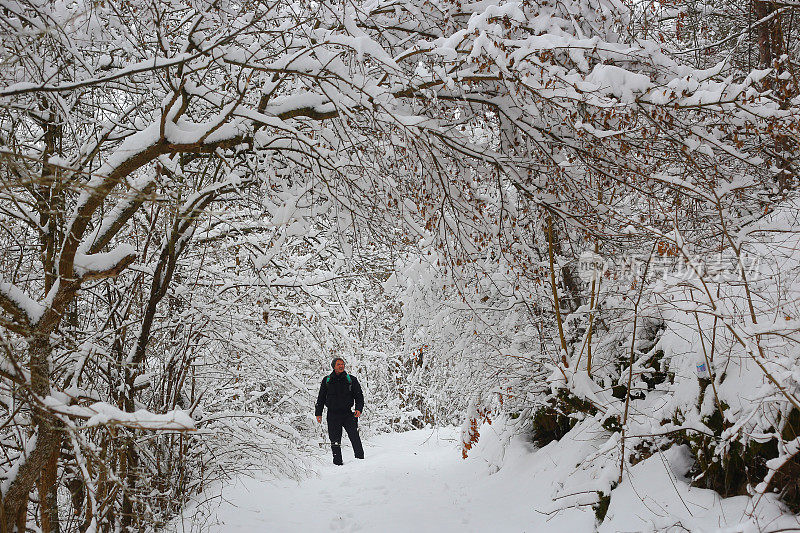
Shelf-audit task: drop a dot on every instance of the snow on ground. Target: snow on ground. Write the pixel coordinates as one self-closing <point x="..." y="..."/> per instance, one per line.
<point x="655" y="496"/>
<point x="417" y="481"/>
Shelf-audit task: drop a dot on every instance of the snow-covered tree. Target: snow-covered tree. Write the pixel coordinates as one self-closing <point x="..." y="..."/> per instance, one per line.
<point x="176" y="175"/>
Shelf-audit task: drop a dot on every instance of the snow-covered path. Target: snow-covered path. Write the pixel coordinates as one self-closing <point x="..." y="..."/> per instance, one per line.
<point x="418" y="482"/>
<point x="415" y="481"/>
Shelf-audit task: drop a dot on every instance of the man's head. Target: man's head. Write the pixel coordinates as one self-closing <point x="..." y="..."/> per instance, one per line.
<point x="338" y="365"/>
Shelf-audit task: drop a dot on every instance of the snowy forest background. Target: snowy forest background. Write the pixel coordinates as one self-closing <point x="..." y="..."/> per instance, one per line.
<point x="547" y="215"/>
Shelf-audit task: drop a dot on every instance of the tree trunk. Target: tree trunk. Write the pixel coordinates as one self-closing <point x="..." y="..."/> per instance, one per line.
<point x="771" y="47"/>
<point x="48" y="492"/>
<point x="48" y="438"/>
<point x="764" y="32"/>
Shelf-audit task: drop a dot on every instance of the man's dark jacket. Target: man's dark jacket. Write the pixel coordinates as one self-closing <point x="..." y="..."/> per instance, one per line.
<point x="338" y="395"/>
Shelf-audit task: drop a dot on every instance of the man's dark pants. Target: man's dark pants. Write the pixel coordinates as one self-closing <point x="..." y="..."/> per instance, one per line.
<point x="347" y="420"/>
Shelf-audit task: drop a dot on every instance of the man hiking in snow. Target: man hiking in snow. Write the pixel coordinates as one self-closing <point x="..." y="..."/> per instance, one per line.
<point x="338" y="391"/>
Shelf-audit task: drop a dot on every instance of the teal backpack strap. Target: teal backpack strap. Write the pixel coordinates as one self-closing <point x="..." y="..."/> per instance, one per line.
<point x="349" y="381"/>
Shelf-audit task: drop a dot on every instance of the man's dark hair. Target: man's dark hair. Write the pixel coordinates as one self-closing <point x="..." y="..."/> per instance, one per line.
<point x="333" y="363"/>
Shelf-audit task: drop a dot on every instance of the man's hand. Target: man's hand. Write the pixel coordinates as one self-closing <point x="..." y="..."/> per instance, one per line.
<point x="357" y="413"/>
<point x="319" y="420"/>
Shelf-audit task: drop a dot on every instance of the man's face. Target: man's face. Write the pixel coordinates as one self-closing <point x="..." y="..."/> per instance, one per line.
<point x="339" y="366"/>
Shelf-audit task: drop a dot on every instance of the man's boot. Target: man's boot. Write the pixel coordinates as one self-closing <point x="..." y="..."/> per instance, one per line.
<point x="336" y="448"/>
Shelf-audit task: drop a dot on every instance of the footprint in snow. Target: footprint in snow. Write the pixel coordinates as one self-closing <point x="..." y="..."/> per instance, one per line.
<point x="344" y="522"/>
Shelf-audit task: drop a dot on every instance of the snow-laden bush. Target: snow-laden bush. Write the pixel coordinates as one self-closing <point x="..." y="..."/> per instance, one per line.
<point x="692" y="351"/>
